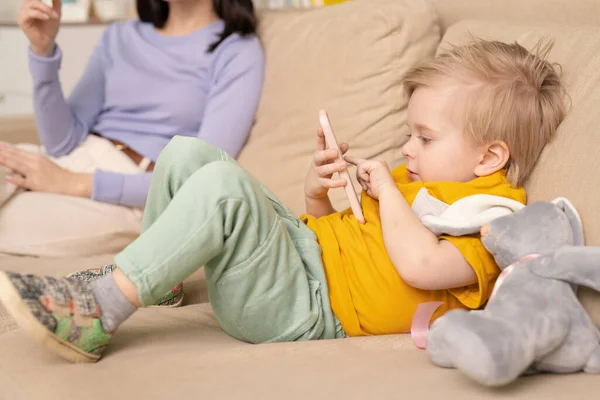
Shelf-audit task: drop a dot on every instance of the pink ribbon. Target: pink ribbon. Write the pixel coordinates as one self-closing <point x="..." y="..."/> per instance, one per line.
<point x="419" y="328"/>
<point x="506" y="271"/>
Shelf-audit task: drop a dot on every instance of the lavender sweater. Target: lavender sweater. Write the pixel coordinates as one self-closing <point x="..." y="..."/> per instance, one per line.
<point x="142" y="88"/>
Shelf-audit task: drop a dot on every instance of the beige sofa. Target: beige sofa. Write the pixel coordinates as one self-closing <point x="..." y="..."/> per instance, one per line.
<point x="349" y="59"/>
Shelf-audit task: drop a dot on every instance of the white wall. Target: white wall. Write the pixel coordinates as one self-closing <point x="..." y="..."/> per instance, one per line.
<point x="8" y="9"/>
<point x="15" y="82"/>
<point x="76" y="42"/>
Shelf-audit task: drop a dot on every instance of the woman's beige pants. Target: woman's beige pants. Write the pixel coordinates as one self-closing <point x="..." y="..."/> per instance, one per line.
<point x="45" y="224"/>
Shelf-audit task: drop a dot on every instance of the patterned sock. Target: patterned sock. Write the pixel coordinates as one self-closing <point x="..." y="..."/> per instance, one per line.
<point x="114" y="306"/>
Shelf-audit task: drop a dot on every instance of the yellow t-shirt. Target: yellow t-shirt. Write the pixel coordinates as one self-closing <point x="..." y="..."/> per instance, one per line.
<point x="367" y="294"/>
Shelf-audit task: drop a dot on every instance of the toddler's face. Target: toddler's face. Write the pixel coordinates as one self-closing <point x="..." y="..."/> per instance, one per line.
<point x="437" y="149"/>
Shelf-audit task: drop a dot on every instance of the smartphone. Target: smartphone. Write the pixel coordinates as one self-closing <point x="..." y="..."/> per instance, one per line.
<point x="332" y="143"/>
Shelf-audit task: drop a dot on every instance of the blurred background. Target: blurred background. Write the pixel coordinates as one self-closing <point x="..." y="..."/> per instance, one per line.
<point x="107" y="10"/>
<point x="82" y="25"/>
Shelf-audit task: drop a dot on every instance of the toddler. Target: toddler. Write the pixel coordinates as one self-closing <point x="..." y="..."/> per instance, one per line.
<point x="479" y="116"/>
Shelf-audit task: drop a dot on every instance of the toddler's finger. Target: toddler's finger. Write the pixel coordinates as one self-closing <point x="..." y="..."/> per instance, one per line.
<point x="362" y="174"/>
<point x="355" y="160"/>
<point x="320" y="139"/>
<point x="325" y="156"/>
<point x="333" y="183"/>
<point x="327" y="169"/>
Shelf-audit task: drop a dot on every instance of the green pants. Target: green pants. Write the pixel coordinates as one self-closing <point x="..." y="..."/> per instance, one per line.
<point x="263" y="266"/>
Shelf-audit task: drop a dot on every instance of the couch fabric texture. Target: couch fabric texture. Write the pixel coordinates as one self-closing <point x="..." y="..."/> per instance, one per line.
<point x="348" y="59"/>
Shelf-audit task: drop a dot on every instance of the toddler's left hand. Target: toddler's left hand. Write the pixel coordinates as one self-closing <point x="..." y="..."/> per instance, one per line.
<point x="373" y="175"/>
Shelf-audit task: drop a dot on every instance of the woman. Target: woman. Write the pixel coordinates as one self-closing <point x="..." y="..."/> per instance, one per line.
<point x="187" y="67"/>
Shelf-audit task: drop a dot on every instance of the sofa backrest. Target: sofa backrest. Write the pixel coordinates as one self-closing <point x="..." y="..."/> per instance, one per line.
<point x="349" y="60"/>
<point x="559" y="12"/>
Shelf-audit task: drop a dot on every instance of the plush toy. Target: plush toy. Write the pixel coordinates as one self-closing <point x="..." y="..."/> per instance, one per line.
<point x="533" y="321"/>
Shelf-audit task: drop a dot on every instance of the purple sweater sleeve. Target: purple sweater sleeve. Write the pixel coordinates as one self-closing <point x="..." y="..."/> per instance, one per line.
<point x="233" y="98"/>
<point x="128" y="190"/>
<point x="62" y="125"/>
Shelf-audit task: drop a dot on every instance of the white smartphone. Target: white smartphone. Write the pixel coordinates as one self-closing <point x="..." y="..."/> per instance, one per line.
<point x="332" y="143"/>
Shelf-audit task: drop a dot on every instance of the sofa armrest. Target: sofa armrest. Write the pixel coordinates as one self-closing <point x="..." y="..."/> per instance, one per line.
<point x="18" y="129"/>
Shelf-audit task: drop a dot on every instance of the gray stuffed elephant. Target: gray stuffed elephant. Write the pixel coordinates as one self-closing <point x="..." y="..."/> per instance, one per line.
<point x="533" y="321"/>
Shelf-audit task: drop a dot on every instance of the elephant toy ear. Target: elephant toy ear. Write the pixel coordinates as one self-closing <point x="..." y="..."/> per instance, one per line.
<point x="574" y="219"/>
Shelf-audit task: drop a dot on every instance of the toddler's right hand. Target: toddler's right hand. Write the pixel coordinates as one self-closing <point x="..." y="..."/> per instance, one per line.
<point x="319" y="177"/>
<point x="40" y="24"/>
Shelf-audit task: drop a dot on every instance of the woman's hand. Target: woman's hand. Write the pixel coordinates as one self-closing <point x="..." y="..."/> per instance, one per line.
<point x="40" y="24"/>
<point x="37" y="173"/>
<point x="319" y="177"/>
<point x="373" y="175"/>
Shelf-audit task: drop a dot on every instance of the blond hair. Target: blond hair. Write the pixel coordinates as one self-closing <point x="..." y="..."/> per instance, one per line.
<point x="518" y="97"/>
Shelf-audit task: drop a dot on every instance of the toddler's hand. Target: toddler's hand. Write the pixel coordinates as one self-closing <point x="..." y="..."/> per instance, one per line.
<point x="373" y="175"/>
<point x="319" y="177"/>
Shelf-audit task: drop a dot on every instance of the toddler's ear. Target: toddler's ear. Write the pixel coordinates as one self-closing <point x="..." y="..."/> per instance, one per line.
<point x="494" y="157"/>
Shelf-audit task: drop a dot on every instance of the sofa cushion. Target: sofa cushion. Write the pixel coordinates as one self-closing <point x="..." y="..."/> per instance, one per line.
<point x="349" y="60"/>
<point x="183" y="353"/>
<point x="18" y="129"/>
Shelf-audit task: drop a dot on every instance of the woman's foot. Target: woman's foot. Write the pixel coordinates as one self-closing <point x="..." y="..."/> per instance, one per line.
<point x="172" y="299"/>
<point x="61" y="314"/>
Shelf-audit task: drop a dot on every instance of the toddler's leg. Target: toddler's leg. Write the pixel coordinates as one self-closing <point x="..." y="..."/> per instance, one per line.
<point x="177" y="162"/>
<point x="61" y="314"/>
<point x="264" y="284"/>
<point x="265" y="277"/>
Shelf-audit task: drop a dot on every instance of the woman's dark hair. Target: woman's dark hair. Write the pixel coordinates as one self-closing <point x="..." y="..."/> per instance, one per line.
<point x="238" y="15"/>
